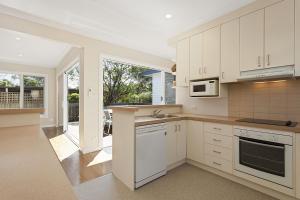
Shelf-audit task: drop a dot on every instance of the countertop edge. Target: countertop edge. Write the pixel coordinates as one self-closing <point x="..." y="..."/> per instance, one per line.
<point x="136" y="108"/>
<point x="10" y="111"/>
<point x="218" y="119"/>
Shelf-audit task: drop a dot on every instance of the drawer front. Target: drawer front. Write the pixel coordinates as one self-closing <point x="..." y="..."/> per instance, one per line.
<point x="218" y="140"/>
<point x="219" y="163"/>
<point x="221" y="129"/>
<point x="218" y="151"/>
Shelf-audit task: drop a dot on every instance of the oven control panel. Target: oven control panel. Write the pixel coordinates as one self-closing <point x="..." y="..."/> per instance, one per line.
<point x="265" y="136"/>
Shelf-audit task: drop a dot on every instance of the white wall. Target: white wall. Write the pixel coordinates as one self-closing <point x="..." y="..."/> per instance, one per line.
<point x="209" y="106"/>
<point x="50" y="120"/>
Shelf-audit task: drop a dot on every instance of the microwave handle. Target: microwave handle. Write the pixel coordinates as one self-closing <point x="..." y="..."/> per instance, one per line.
<point x="261" y="144"/>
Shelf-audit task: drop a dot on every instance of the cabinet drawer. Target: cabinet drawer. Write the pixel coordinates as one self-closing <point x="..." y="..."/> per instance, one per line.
<point x="219" y="163"/>
<point x="221" y="129"/>
<point x="218" y="151"/>
<point x="218" y="140"/>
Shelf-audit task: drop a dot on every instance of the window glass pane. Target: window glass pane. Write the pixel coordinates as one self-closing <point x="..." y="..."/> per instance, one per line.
<point x="33" y="91"/>
<point x="9" y="90"/>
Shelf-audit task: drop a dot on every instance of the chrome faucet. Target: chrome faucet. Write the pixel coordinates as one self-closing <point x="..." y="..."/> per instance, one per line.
<point x="156" y="112"/>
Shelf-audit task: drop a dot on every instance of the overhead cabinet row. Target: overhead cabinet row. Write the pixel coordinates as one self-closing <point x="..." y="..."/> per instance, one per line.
<point x="262" y="39"/>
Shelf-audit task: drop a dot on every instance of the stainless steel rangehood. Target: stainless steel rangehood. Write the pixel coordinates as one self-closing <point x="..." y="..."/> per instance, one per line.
<point x="268" y="73"/>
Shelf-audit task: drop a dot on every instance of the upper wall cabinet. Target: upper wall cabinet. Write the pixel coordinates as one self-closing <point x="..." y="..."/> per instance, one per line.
<point x="182" y="66"/>
<point x="267" y="37"/>
<point x="279" y="34"/>
<point x="230" y="51"/>
<point x="196" y="57"/>
<point x="211" y="53"/>
<point x="252" y="41"/>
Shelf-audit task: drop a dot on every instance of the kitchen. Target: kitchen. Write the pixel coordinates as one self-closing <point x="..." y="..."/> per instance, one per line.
<point x="237" y="110"/>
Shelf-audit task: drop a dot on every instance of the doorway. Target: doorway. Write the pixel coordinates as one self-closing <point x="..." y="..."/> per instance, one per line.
<point x="71" y="103"/>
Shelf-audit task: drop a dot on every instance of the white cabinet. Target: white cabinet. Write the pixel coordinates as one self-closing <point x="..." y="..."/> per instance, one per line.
<point x="182" y="63"/>
<point x="176" y="141"/>
<point x="195" y="141"/>
<point x="252" y="41"/>
<point x="211" y="53"/>
<point x="196" y="57"/>
<point x="230" y="68"/>
<point x="279" y="34"/>
<point x="267" y="37"/>
<point x="297" y="137"/>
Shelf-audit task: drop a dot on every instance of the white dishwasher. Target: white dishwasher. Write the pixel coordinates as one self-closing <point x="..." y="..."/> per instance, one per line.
<point x="150" y="153"/>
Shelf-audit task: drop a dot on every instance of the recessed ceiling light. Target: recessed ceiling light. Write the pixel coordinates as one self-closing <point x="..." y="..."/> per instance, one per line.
<point x="18" y="38"/>
<point x="20" y="54"/>
<point x="168" y="16"/>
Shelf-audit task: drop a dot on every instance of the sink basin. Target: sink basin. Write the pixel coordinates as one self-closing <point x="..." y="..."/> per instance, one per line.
<point x="159" y="116"/>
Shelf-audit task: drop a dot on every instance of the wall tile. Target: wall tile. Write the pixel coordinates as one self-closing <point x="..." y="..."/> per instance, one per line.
<point x="278" y="100"/>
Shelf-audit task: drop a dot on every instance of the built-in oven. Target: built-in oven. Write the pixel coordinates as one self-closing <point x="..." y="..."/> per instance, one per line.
<point x="266" y="155"/>
<point x="204" y="88"/>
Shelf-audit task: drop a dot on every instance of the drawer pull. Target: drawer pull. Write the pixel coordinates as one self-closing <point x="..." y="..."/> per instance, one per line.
<point x="216" y="140"/>
<point x="215" y="163"/>
<point x="218" y="129"/>
<point x="218" y="152"/>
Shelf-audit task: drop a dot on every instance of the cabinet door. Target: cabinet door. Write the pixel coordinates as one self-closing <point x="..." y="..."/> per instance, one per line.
<point x="279" y="34"/>
<point x="211" y="53"/>
<point x="181" y="140"/>
<point x="171" y="143"/>
<point x="195" y="141"/>
<point x="230" y="68"/>
<point x="182" y="66"/>
<point x="196" y="61"/>
<point x="252" y="41"/>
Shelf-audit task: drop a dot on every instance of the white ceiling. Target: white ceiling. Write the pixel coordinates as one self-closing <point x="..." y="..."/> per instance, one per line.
<point x="137" y="24"/>
<point x="26" y="49"/>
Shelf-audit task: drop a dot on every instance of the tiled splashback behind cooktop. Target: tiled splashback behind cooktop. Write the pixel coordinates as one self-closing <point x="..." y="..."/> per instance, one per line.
<point x="279" y="100"/>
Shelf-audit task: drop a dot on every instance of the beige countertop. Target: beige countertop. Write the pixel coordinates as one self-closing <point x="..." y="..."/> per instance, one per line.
<point x="20" y="111"/>
<point x="147" y="120"/>
<point x="29" y="168"/>
<point x="134" y="108"/>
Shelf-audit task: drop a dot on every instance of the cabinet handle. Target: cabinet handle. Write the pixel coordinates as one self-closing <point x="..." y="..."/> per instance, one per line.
<point x="175" y="128"/>
<point x="185" y="79"/>
<point x="258" y="61"/>
<point x="268" y="60"/>
<point x="179" y="127"/>
<point x="218" y="152"/>
<point x="216" y="140"/>
<point x="166" y="133"/>
<point x="222" y="75"/>
<point x="204" y="69"/>
<point x="215" y="163"/>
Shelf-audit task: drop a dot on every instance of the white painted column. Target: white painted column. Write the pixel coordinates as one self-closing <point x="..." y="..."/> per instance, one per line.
<point x="90" y="100"/>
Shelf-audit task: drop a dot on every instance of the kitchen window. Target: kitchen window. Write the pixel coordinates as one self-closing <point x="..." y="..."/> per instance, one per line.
<point x="23" y="91"/>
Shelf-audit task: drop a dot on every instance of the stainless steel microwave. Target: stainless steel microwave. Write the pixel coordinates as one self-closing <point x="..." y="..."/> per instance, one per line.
<point x="204" y="88"/>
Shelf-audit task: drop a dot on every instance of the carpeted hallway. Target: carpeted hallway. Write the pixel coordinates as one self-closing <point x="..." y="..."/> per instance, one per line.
<point x="184" y="183"/>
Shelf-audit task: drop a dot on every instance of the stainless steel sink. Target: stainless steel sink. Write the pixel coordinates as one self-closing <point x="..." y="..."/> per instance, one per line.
<point x="159" y="116"/>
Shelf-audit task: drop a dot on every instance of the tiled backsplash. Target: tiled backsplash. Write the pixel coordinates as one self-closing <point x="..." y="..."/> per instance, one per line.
<point x="278" y="100"/>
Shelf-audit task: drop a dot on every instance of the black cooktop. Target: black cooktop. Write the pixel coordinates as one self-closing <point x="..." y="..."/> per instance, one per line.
<point x="269" y="122"/>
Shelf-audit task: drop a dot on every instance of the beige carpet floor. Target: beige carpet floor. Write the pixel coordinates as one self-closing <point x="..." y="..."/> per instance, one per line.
<point x="183" y="183"/>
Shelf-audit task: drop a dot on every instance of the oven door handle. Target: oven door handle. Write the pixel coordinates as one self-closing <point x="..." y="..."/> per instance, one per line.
<point x="261" y="144"/>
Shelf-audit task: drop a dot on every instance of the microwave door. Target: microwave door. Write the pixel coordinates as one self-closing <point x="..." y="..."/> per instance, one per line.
<point x="198" y="89"/>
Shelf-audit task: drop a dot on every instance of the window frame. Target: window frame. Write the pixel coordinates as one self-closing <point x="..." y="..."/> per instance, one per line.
<point x="22" y="74"/>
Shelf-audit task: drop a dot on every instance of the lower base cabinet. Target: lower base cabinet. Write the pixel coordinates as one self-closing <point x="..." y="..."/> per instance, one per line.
<point x="195" y="141"/>
<point x="176" y="142"/>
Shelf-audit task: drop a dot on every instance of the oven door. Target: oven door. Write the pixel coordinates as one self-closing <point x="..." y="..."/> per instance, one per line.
<point x="199" y="89"/>
<point x="266" y="160"/>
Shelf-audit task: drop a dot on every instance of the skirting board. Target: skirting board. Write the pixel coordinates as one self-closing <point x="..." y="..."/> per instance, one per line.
<point x="175" y="165"/>
<point x="242" y="181"/>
